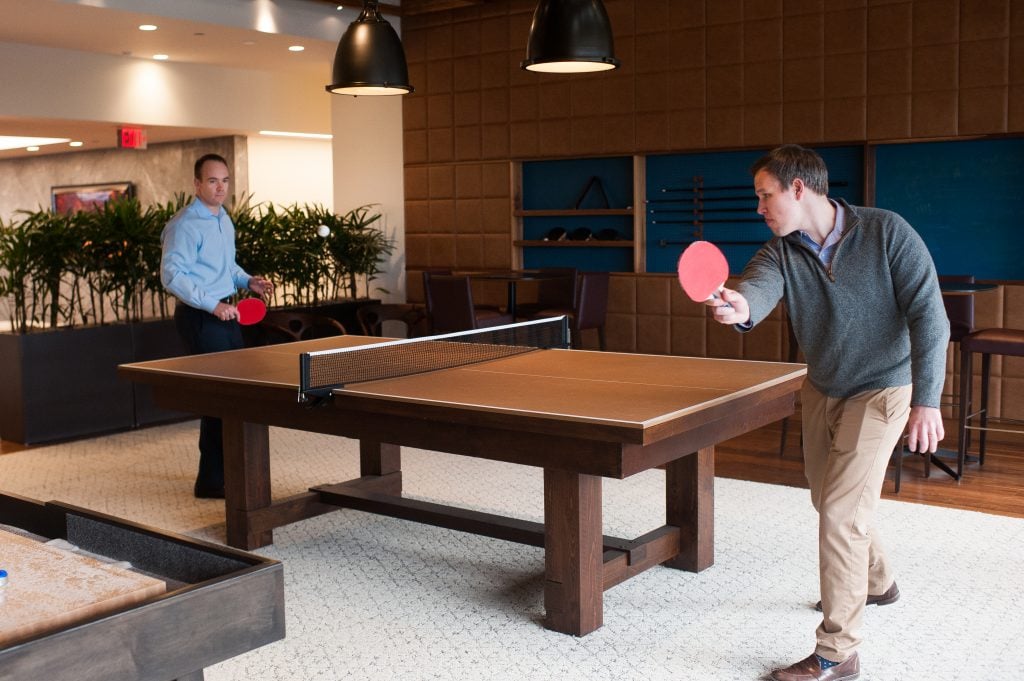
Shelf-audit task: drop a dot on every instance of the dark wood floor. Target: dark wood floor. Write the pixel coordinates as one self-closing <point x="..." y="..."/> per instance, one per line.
<point x="998" y="487"/>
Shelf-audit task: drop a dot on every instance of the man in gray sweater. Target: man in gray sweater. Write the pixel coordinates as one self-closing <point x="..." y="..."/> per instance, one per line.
<point x="863" y="297"/>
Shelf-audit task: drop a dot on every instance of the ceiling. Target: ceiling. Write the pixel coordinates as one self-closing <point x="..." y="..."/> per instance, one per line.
<point x="83" y="26"/>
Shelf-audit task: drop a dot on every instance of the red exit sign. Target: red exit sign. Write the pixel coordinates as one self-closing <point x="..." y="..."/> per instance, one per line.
<point x="131" y="138"/>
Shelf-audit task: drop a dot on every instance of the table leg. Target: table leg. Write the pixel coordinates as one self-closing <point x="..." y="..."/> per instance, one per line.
<point x="573" y="552"/>
<point x="690" y="506"/>
<point x="380" y="458"/>
<point x="246" y="481"/>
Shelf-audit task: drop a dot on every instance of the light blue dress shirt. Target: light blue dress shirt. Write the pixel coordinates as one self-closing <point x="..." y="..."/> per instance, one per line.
<point x="198" y="264"/>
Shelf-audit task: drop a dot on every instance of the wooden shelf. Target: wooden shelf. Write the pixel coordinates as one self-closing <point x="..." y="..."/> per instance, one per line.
<point x="568" y="243"/>
<point x="584" y="212"/>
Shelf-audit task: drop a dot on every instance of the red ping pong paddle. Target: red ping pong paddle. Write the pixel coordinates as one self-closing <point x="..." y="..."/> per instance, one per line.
<point x="703" y="270"/>
<point x="251" y="311"/>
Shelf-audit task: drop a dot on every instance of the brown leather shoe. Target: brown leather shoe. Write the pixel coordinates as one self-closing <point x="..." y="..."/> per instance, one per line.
<point x="891" y="595"/>
<point x="808" y="669"/>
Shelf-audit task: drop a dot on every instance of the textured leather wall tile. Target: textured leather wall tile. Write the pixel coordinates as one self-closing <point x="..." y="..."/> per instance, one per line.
<point x="523" y="103"/>
<point x="889" y="71"/>
<point x="983" y="19"/>
<point x="556" y="137"/>
<point x="414" y="112"/>
<point x="494" y="141"/>
<point x="653" y="334"/>
<point x="983" y="110"/>
<point x="761" y="9"/>
<point x="496" y="215"/>
<point x="554" y="100"/>
<point x="466" y="108"/>
<point x="803" y="121"/>
<point x="724" y="44"/>
<point x="803" y="79"/>
<point x="495" y="179"/>
<point x="622" y="294"/>
<point x="497" y="254"/>
<point x="466" y="73"/>
<point x="439" y="77"/>
<point x="764" y="341"/>
<point x="469" y="250"/>
<point x="1015" y="115"/>
<point x="936" y="22"/>
<point x="493" y="34"/>
<point x="417" y="217"/>
<point x="441" y="182"/>
<point x="587" y="97"/>
<point x="725" y="85"/>
<point x="651" y="92"/>
<point x="762" y="40"/>
<point x="689" y="336"/>
<point x="687" y="129"/>
<point x="439" y="144"/>
<point x="845" y="119"/>
<point x="687" y="48"/>
<point x="468" y="217"/>
<point x="984" y="63"/>
<point x="439" y="42"/>
<point x="686" y="89"/>
<point x="494" y="69"/>
<point x="794" y="7"/>
<point x="762" y="125"/>
<point x="935" y="67"/>
<point x="588" y="135"/>
<point x="846" y="75"/>
<point x="442" y="215"/>
<point x="889" y="116"/>
<point x="439" y="111"/>
<point x="725" y="126"/>
<point x="889" y="26"/>
<point x="416" y="186"/>
<point x="933" y="114"/>
<point x="762" y="83"/>
<point x="494" y="105"/>
<point x="724" y="11"/>
<point x="846" y="31"/>
<point x="803" y="36"/>
<point x="651" y="54"/>
<point x="417" y="253"/>
<point x="442" y="250"/>
<point x="618" y="94"/>
<point x="653" y="295"/>
<point x="620" y="332"/>
<point x="619" y="134"/>
<point x="524" y="139"/>
<point x="414" y="146"/>
<point x="652" y="131"/>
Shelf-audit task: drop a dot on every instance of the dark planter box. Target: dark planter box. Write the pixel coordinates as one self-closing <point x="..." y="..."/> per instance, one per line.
<point x="61" y="384"/>
<point x="155" y="339"/>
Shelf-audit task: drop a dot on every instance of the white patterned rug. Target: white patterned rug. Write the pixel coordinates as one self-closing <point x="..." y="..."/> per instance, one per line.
<point x="369" y="597"/>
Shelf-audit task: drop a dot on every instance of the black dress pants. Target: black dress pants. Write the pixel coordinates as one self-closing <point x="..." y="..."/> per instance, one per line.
<point x="201" y="332"/>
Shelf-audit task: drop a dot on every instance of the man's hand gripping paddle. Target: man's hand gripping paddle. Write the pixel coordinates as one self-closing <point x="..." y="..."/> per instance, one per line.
<point x="703" y="270"/>
<point x="251" y="311"/>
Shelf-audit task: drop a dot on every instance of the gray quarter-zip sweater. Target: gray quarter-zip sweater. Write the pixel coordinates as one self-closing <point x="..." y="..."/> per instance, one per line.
<point x="873" y="319"/>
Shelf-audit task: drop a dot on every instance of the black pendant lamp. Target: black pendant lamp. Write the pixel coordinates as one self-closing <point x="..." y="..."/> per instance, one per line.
<point x="370" y="59"/>
<point x="570" y="36"/>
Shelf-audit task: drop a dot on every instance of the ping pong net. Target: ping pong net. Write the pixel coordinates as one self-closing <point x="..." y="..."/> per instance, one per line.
<point x="323" y="371"/>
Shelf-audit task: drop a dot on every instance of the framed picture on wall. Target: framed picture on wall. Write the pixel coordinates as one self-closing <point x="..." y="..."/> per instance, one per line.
<point x="75" y="198"/>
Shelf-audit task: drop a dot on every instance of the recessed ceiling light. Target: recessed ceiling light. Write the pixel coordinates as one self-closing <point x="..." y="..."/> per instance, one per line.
<point x="341" y="7"/>
<point x="304" y="135"/>
<point x="161" y="57"/>
<point x="76" y="143"/>
<point x="147" y="27"/>
<point x="296" y="48"/>
<point x="31" y="148"/>
<point x="11" y="142"/>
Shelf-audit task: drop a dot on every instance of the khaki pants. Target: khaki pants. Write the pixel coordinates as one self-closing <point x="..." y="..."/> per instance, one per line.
<point x="847" y="444"/>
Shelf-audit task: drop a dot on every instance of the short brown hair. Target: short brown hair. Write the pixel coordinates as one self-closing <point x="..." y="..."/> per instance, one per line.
<point x="791" y="161"/>
<point x="203" y="159"/>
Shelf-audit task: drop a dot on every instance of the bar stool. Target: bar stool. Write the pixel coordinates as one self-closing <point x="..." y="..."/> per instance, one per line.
<point x="988" y="342"/>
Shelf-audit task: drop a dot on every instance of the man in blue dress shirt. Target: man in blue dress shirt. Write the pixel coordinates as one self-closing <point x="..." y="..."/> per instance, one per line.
<point x="199" y="268"/>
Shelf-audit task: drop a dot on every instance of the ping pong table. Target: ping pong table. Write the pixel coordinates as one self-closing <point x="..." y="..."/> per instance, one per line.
<point x="580" y="416"/>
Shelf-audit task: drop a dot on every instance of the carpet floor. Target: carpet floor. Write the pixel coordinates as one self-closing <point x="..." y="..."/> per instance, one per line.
<point x="369" y="597"/>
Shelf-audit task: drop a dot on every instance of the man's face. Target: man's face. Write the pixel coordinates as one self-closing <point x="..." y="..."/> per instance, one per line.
<point x="777" y="204"/>
<point x="212" y="186"/>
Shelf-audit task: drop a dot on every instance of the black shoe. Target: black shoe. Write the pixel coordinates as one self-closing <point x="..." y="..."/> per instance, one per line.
<point x="205" y="492"/>
<point x="891" y="595"/>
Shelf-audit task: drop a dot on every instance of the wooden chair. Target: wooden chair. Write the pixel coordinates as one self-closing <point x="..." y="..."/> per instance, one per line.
<point x="372" y="318"/>
<point x="450" y="306"/>
<point x="282" y="326"/>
